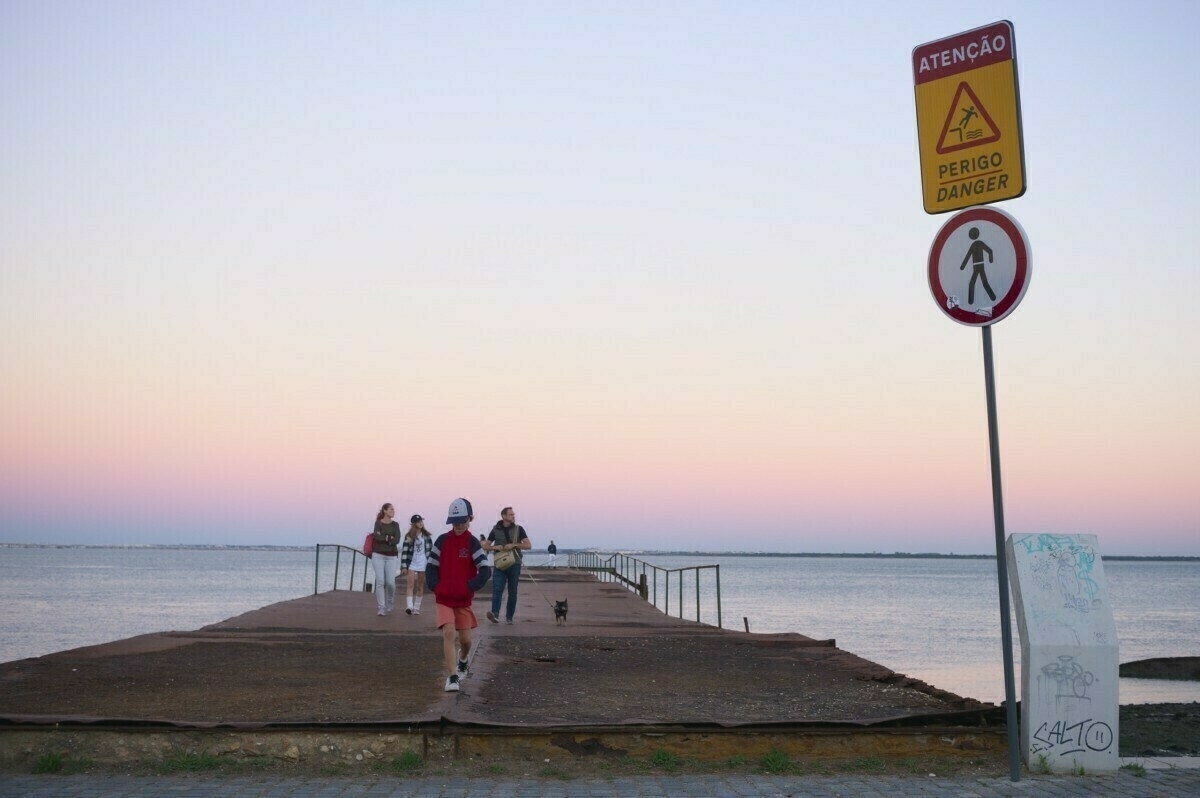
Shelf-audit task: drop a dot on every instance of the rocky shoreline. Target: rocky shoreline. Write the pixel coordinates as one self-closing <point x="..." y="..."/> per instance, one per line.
<point x="1160" y="730"/>
<point x="1175" y="668"/>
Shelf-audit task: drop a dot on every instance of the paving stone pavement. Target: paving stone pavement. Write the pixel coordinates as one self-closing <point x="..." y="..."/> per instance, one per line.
<point x="1162" y="783"/>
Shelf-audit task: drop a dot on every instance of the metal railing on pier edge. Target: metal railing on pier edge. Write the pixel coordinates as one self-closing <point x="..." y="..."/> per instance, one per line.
<point x="336" y="565"/>
<point x="643" y="578"/>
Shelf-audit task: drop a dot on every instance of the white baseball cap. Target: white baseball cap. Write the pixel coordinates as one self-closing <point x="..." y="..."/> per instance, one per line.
<point x="459" y="512"/>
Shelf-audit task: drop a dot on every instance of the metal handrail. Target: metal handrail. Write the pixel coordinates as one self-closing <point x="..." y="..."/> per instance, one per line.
<point x="354" y="555"/>
<point x="632" y="573"/>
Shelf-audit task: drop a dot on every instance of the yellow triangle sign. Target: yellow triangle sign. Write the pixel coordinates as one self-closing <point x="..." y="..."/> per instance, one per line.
<point x="968" y="124"/>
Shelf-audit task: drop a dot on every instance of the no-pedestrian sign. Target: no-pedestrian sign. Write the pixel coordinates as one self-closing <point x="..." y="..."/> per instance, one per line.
<point x="969" y="119"/>
<point x="979" y="266"/>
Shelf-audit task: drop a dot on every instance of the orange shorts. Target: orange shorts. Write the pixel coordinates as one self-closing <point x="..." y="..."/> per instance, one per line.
<point x="461" y="617"/>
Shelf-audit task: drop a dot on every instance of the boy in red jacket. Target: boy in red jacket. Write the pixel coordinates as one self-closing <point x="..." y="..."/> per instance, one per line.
<point x="456" y="569"/>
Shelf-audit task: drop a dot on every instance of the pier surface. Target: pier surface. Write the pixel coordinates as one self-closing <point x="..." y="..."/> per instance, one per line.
<point x="330" y="659"/>
<point x="338" y="696"/>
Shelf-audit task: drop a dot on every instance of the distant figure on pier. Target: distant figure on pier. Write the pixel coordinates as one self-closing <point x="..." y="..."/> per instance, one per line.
<point x="414" y="556"/>
<point x="386" y="535"/>
<point x="482" y="540"/>
<point x="457" y="568"/>
<point x="506" y="535"/>
<point x="552" y="550"/>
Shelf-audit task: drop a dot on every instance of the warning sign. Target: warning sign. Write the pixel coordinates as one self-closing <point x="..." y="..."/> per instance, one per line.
<point x="968" y="124"/>
<point x="993" y="246"/>
<point x="969" y="119"/>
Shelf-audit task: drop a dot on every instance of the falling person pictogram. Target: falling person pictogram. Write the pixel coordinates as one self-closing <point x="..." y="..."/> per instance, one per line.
<point x="968" y="112"/>
<point x="975" y="255"/>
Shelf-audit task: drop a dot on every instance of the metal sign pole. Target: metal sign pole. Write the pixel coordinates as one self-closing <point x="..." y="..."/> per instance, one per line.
<point x="1010" y="690"/>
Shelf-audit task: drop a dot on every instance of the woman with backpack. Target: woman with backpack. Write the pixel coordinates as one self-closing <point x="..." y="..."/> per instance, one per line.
<point x="384" y="538"/>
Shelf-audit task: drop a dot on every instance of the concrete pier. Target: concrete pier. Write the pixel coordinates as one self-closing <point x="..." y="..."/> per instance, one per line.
<point x="324" y="679"/>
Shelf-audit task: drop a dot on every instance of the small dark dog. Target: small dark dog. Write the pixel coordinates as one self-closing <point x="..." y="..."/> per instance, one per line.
<point x="560" y="612"/>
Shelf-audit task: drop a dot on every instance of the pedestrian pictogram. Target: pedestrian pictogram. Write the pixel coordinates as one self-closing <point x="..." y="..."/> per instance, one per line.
<point x="979" y="266"/>
<point x="969" y="119"/>
<point x="975" y="254"/>
<point x="968" y="124"/>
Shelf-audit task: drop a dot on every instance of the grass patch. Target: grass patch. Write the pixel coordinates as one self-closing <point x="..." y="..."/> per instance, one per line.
<point x="1135" y="769"/>
<point x="775" y="761"/>
<point x="665" y="760"/>
<point x="496" y="770"/>
<point x="408" y="762"/>
<point x="736" y="761"/>
<point x="48" y="763"/>
<point x="550" y="772"/>
<point x="630" y="764"/>
<point x="863" y="764"/>
<point x="191" y="762"/>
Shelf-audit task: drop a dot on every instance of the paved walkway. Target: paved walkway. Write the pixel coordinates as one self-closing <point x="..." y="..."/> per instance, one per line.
<point x="1173" y="783"/>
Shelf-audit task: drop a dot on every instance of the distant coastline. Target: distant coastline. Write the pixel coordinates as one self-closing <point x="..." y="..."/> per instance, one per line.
<point x="897" y="555"/>
<point x="178" y="546"/>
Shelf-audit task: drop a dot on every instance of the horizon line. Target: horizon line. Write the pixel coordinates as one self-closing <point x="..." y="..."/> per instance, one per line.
<point x="565" y="550"/>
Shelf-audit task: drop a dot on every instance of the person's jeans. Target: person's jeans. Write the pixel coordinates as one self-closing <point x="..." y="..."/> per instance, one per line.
<point x="385" y="580"/>
<point x="501" y="579"/>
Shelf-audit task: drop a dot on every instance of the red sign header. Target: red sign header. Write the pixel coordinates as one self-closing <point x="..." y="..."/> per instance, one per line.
<point x="990" y="44"/>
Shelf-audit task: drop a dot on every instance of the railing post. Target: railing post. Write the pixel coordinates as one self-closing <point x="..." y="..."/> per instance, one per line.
<point x="697" y="595"/>
<point x="719" y="626"/>
<point x="643" y="591"/>
<point x="666" y="592"/>
<point x="317" y="569"/>
<point x="337" y="566"/>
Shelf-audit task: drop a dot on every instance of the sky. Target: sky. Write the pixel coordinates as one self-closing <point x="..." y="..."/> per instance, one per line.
<point x="654" y="274"/>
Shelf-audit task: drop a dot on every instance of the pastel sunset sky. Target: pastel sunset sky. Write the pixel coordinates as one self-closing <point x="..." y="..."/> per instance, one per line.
<point x="652" y="273"/>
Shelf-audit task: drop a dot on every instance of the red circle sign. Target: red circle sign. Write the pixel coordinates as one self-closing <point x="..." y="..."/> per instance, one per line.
<point x="979" y="266"/>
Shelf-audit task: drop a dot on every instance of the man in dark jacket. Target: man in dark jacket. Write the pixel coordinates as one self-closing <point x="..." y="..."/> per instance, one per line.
<point x="506" y="535"/>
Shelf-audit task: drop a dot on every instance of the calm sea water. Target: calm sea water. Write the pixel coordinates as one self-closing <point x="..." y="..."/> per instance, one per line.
<point x="934" y="619"/>
<point x="54" y="599"/>
<point x="938" y="620"/>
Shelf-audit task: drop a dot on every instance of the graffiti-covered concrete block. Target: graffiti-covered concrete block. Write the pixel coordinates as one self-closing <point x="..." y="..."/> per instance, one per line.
<point x="1069" y="656"/>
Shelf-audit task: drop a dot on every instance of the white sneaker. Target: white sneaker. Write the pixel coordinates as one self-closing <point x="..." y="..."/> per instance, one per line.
<point x="462" y="669"/>
<point x="452" y="684"/>
<point x="382" y="612"/>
